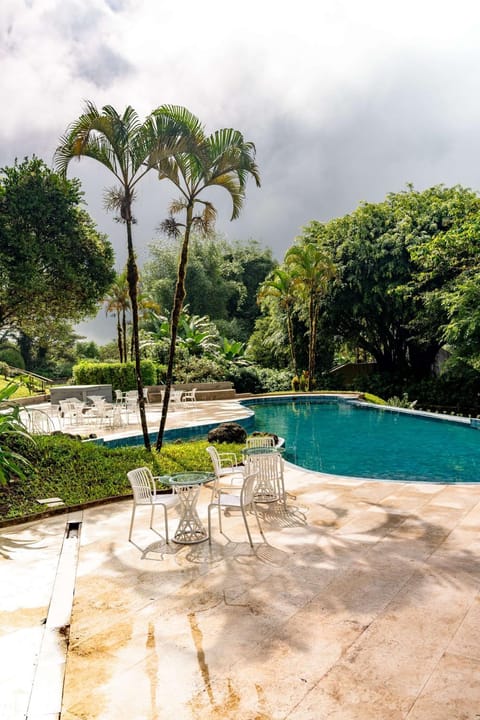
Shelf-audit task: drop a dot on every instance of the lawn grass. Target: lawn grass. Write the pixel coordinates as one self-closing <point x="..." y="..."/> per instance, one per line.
<point x="79" y="472"/>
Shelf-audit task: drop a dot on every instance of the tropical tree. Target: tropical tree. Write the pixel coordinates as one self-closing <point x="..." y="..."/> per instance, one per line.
<point x="224" y="160"/>
<point x="280" y="285"/>
<point x="408" y="278"/>
<point x="197" y="334"/>
<point x="54" y="264"/>
<point x="312" y="270"/>
<point x="117" y="302"/>
<point x="125" y="146"/>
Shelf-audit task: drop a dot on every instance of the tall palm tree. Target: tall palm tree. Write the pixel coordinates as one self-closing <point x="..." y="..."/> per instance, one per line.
<point x="117" y="302"/>
<point x="223" y="160"/>
<point x="280" y="285"/>
<point x="123" y="145"/>
<point x="312" y="270"/>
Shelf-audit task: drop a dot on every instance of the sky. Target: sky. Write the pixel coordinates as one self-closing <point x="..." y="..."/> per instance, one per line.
<point x="345" y="100"/>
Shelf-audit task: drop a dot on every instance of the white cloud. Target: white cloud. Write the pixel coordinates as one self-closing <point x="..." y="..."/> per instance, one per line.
<point x="344" y="100"/>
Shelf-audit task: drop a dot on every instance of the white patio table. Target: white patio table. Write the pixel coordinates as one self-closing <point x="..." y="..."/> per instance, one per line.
<point x="187" y="485"/>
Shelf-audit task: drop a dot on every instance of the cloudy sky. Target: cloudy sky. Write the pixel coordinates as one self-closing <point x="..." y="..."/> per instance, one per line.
<point x="345" y="100"/>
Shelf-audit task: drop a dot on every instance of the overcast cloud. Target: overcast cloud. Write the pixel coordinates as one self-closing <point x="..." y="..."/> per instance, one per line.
<point x="344" y="100"/>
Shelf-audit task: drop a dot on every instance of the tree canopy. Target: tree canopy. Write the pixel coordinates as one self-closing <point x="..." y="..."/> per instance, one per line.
<point x="403" y="265"/>
<point x="406" y="282"/>
<point x="54" y="264"/>
<point x="222" y="280"/>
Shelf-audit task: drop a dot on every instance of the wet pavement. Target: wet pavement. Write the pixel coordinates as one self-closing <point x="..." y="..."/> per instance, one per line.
<point x="362" y="602"/>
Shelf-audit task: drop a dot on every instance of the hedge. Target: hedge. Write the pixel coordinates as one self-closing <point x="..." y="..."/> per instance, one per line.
<point x="120" y="376"/>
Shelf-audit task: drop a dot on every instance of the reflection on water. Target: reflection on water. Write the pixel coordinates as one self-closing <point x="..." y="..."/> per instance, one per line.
<point x="344" y="439"/>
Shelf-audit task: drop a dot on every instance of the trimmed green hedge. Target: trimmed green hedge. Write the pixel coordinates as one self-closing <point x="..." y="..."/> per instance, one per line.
<point x="119" y="375"/>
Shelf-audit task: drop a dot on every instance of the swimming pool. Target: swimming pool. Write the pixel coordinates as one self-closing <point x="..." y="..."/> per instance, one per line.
<point x="345" y="438"/>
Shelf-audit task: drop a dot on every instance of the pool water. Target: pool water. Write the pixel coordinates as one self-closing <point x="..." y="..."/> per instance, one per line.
<point x="347" y="439"/>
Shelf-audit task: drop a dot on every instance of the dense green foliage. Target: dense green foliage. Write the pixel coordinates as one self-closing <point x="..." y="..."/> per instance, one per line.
<point x="401" y="266"/>
<point x="79" y="472"/>
<point x="404" y="283"/>
<point x="54" y="264"/>
<point x="222" y="280"/>
<point x="119" y="375"/>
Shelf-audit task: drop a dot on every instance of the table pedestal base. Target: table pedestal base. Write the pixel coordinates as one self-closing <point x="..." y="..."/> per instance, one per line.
<point x="190" y="529"/>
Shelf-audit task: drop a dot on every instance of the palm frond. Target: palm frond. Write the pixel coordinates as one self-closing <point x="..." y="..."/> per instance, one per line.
<point x="170" y="227"/>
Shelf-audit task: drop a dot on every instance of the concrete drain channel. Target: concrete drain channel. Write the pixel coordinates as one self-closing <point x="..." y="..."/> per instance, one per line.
<point x="45" y="701"/>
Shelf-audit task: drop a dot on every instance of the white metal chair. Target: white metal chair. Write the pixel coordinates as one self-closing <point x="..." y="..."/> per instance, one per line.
<point x="145" y="493"/>
<point x="189" y="396"/>
<point x="225" y="466"/>
<point x="175" y="399"/>
<point x="130" y="404"/>
<point x="245" y="502"/>
<point x="269" y="466"/>
<point x="119" y="397"/>
<point x="256" y="441"/>
<point x="71" y="410"/>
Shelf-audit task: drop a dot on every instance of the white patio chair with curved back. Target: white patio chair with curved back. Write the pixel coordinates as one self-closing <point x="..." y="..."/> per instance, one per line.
<point x="245" y="502"/>
<point x="270" y="486"/>
<point x="259" y="441"/>
<point x="71" y="410"/>
<point x="131" y="405"/>
<point x="145" y="493"/>
<point x="225" y="466"/>
<point x="189" y="397"/>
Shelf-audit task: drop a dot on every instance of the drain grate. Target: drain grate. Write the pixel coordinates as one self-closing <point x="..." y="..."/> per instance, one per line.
<point x="73" y="529"/>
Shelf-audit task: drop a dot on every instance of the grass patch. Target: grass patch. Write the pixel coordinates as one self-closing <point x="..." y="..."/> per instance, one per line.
<point x="78" y="472"/>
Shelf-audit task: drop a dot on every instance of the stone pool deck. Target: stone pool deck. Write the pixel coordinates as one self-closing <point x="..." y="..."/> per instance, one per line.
<point x="362" y="603"/>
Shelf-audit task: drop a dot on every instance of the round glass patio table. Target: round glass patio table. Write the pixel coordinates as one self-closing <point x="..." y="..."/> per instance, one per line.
<point x="187" y="485"/>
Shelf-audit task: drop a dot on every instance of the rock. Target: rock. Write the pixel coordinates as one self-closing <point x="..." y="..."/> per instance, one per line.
<point x="228" y="433"/>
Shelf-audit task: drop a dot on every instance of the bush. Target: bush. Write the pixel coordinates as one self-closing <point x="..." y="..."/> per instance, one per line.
<point x="12" y="356"/>
<point x="254" y="379"/>
<point x="199" y="369"/>
<point x="118" y="375"/>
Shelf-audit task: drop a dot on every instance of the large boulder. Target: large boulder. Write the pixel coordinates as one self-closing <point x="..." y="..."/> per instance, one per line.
<point x="228" y="433"/>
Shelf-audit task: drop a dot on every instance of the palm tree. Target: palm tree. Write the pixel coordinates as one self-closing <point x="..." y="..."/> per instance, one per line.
<point x="312" y="270"/>
<point x="223" y="160"/>
<point x="280" y="285"/>
<point x="123" y="145"/>
<point x="117" y="302"/>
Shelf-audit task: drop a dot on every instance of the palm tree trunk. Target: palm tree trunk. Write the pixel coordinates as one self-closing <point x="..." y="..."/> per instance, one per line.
<point x="119" y="337"/>
<point x="124" y="335"/>
<point x="132" y="277"/>
<point x="311" y="345"/>
<point x="177" y="309"/>
<point x="291" y="343"/>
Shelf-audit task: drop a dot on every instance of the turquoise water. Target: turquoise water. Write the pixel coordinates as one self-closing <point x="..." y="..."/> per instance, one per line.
<point x="344" y="439"/>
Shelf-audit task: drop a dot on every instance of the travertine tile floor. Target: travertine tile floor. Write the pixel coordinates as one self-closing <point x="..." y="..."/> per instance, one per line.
<point x="363" y="603"/>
